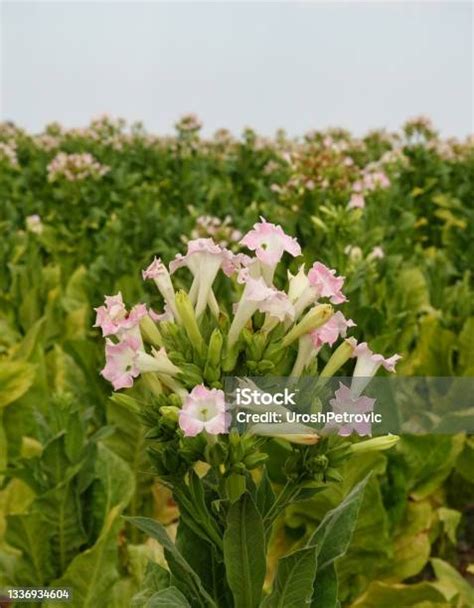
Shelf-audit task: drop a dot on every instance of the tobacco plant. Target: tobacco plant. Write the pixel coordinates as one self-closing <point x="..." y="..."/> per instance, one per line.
<point x="218" y="476"/>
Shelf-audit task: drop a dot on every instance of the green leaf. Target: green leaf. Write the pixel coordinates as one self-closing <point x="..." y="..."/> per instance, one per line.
<point x="265" y="496"/>
<point x="156" y="579"/>
<point x="116" y="481"/>
<point x="178" y="565"/>
<point x="325" y="588"/>
<point x="203" y="559"/>
<point x="430" y="459"/>
<point x="383" y="595"/>
<point x="451" y="583"/>
<point x="450" y="519"/>
<point x="293" y="586"/>
<point x="92" y="573"/>
<point x="334" y="533"/>
<point x="466" y="346"/>
<point x="29" y="533"/>
<point x="244" y="552"/>
<point x="16" y="377"/>
<point x="168" y="598"/>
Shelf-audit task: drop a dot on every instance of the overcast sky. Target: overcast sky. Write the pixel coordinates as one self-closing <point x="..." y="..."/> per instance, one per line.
<point x="267" y="65"/>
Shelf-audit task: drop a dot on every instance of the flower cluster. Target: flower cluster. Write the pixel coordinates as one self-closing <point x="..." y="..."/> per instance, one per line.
<point x="8" y="153"/>
<point x="370" y="180"/>
<point x="222" y="231"/>
<point x="189" y="123"/>
<point x="195" y="341"/>
<point x="75" y="167"/>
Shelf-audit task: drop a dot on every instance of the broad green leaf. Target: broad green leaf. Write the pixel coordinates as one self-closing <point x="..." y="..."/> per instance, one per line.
<point x="325" y="588"/>
<point x="156" y="579"/>
<point x="451" y="583"/>
<point x="29" y="533"/>
<point x="194" y="510"/>
<point x="16" y="377"/>
<point x="168" y="598"/>
<point x="62" y="515"/>
<point x="383" y="595"/>
<point x="433" y="355"/>
<point x="75" y="295"/>
<point x="115" y="479"/>
<point x="179" y="567"/>
<point x="293" y="585"/>
<point x="31" y="342"/>
<point x="334" y="533"/>
<point x="244" y="553"/>
<point x="465" y="461"/>
<point x="450" y="519"/>
<point x="92" y="573"/>
<point x="430" y="459"/>
<point x="202" y="558"/>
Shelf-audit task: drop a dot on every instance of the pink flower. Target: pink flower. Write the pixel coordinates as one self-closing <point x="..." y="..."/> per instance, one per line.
<point x="113" y="318"/>
<point x="346" y="402"/>
<point x="369" y="362"/>
<point x="165" y="316"/>
<point x="126" y="360"/>
<point x="326" y="283"/>
<point x="357" y="201"/>
<point x="159" y="273"/>
<point x="121" y="363"/>
<point x="367" y="365"/>
<point x="270" y="242"/>
<point x="204" y="259"/>
<point x="331" y="330"/>
<point x="204" y="410"/>
<point x="375" y="180"/>
<point x="257" y="295"/>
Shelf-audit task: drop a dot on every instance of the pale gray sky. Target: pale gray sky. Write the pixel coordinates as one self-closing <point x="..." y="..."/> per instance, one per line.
<point x="267" y="65"/>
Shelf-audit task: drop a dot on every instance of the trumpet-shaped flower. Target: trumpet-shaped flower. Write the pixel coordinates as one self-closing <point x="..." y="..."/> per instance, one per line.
<point x="113" y="318"/>
<point x="126" y="360"/>
<point x="321" y="282"/>
<point x="159" y="273"/>
<point x="160" y="317"/>
<point x="326" y="283"/>
<point x="204" y="409"/>
<point x="204" y="259"/>
<point x="297" y="284"/>
<point x="369" y="362"/>
<point x="367" y="365"/>
<point x="257" y="296"/>
<point x="346" y="402"/>
<point x="269" y="243"/>
<point x="331" y="330"/>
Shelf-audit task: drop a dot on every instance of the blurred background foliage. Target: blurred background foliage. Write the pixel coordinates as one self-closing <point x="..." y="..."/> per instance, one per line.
<point x="391" y="211"/>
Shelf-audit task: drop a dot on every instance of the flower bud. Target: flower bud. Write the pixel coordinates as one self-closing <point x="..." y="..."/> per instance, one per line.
<point x="235" y="486"/>
<point x="376" y="444"/>
<point x="170" y="412"/>
<point x="150" y="332"/>
<point x="215" y="349"/>
<point x="189" y="322"/>
<point x="217" y="453"/>
<point x="342" y="354"/>
<point x="314" y="318"/>
<point x="152" y="383"/>
<point x="252" y="461"/>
